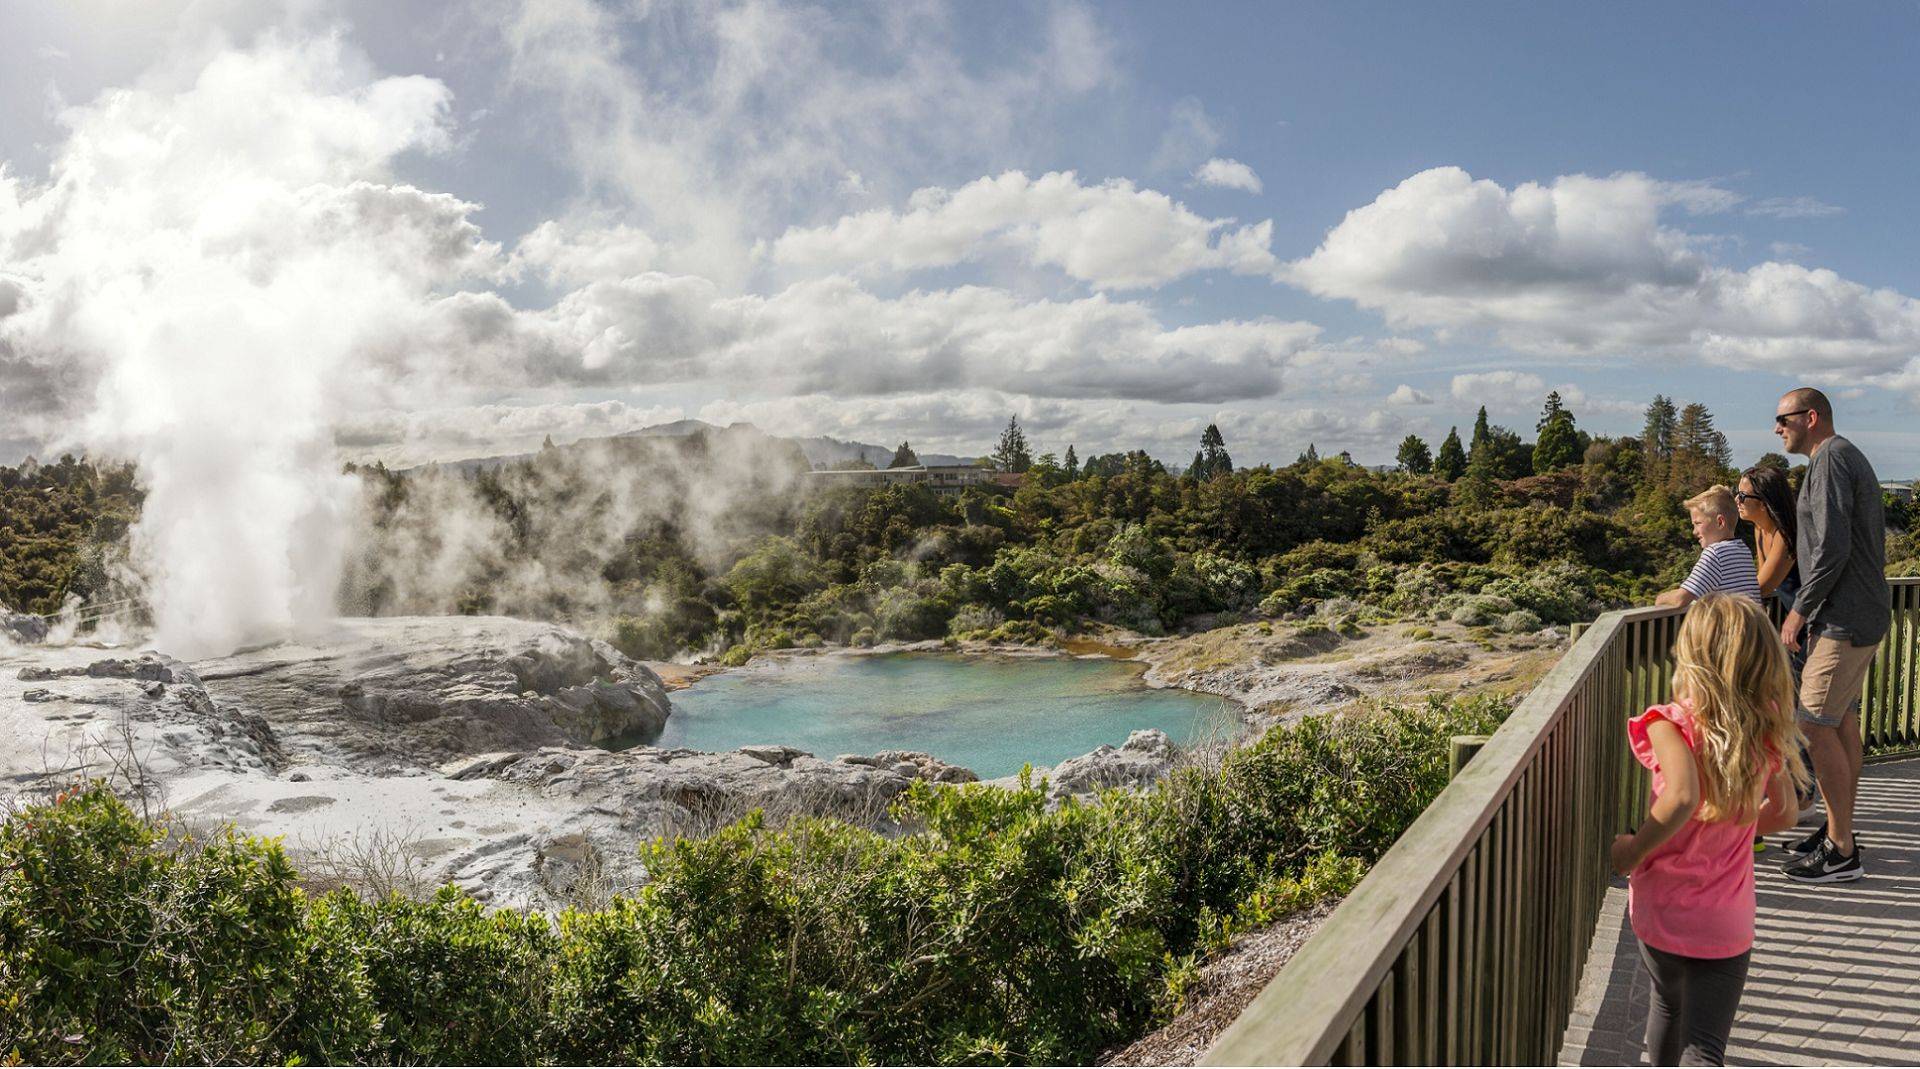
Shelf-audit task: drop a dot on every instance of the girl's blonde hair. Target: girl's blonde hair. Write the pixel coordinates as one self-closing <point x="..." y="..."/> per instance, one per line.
<point x="1732" y="670"/>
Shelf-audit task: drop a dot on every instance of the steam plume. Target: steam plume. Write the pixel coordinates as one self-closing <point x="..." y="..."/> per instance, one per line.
<point x="220" y="259"/>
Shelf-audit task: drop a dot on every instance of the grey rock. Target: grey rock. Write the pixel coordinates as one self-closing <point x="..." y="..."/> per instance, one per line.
<point x="475" y="767"/>
<point x="917" y="765"/>
<point x="22" y="627"/>
<point x="774" y="755"/>
<point x="430" y="691"/>
<point x="38" y="694"/>
<point x="1143" y="758"/>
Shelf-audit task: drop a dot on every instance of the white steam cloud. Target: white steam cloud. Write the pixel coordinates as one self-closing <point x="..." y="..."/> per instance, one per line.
<point x="213" y="261"/>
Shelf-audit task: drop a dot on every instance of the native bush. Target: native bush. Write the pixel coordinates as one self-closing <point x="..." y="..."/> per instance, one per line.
<point x="997" y="928"/>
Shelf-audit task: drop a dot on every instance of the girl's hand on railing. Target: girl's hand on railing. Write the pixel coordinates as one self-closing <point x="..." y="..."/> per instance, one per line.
<point x="1623" y="856"/>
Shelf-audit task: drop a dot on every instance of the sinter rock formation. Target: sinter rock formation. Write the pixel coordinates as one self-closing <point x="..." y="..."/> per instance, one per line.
<point x="477" y="750"/>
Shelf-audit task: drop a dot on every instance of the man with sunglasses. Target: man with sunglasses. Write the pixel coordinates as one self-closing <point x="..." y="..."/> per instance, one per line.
<point x="1844" y="607"/>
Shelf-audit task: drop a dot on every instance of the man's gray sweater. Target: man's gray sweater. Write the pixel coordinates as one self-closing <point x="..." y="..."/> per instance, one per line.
<point x="1842" y="548"/>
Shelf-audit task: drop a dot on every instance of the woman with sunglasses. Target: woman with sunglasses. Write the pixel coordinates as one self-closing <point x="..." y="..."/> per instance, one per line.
<point x="1766" y="500"/>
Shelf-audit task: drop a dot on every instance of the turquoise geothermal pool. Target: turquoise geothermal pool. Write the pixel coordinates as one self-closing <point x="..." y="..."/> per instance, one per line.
<point x="989" y="714"/>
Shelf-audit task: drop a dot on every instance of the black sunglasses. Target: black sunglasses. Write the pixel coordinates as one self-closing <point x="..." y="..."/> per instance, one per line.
<point x="1781" y="419"/>
<point x="1743" y="497"/>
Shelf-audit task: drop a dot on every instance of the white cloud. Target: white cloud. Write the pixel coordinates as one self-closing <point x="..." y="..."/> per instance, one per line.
<point x="1794" y="208"/>
<point x="1584" y="265"/>
<point x="1228" y="174"/>
<point x="830" y="334"/>
<point x="1789" y="250"/>
<point x="1697" y="197"/>
<point x="572" y="255"/>
<point x="1503" y="391"/>
<point x="707" y="125"/>
<point x="1407" y="395"/>
<point x="967" y="421"/>
<point x="1113" y="235"/>
<point x="1520" y="392"/>
<point x="1191" y="136"/>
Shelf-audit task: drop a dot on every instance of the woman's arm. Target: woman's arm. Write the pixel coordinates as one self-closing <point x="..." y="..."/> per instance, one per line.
<point x="1670" y="811"/>
<point x="1783" y="805"/>
<point x="1776" y="560"/>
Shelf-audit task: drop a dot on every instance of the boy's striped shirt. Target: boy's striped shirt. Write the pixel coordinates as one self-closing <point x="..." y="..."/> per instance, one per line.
<point x="1724" y="568"/>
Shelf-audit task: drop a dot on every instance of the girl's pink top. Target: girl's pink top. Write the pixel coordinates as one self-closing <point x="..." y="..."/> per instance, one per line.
<point x="1693" y="896"/>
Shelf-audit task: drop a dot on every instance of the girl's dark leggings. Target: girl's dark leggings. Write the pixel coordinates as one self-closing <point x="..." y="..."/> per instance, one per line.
<point x="1691" y="1012"/>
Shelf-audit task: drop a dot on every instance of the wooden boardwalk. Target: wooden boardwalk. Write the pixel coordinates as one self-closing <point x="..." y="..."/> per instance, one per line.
<point x="1836" y="968"/>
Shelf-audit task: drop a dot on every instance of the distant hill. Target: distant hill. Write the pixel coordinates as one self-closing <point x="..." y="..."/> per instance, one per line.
<point x="820" y="451"/>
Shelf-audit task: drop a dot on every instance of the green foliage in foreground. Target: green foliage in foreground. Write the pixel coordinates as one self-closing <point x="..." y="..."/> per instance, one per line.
<point x="997" y="931"/>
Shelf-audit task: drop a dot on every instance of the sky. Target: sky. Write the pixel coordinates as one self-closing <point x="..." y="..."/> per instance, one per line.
<point x="411" y="231"/>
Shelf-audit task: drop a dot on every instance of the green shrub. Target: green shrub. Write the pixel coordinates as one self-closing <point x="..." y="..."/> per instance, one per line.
<point x="998" y="929"/>
<point x="455" y="983"/>
<point x="1482" y="610"/>
<point x="119" y="945"/>
<point x="1520" y="621"/>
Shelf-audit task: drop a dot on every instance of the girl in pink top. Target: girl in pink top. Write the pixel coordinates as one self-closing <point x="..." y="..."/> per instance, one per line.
<point x="1718" y="780"/>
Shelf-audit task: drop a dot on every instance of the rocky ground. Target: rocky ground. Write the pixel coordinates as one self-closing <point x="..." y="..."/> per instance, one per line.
<point x="510" y="757"/>
<point x="407" y="752"/>
<point x="1224" y="988"/>
<point x="1280" y="672"/>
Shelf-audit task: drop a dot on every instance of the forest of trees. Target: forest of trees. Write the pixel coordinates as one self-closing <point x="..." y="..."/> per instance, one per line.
<point x="61" y="526"/>
<point x="1498" y="531"/>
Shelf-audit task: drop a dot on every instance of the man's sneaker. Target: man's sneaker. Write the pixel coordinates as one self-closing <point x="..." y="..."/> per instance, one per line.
<point x="1826" y="865"/>
<point x="1803" y="847"/>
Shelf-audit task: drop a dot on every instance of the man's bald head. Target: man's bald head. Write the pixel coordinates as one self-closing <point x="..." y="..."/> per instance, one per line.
<point x="1803" y="420"/>
<point x="1806" y="397"/>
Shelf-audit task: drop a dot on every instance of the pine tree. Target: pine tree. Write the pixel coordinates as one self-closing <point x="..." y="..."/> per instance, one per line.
<point x="904" y="457"/>
<point x="1559" y="444"/>
<point x="1480" y="432"/>
<point x="1701" y="454"/>
<point x="1451" y="463"/>
<point x="1212" y="460"/>
<point x="1656" y="439"/>
<point x="1311" y="456"/>
<point x="1073" y="464"/>
<point x="1012" y="454"/>
<point x="1414" y="457"/>
<point x="1555" y="406"/>
<point x="1197" y="469"/>
<point x="1558" y="447"/>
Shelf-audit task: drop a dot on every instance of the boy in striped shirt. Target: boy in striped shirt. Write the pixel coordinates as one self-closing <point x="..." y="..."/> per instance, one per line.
<point x="1725" y="565"/>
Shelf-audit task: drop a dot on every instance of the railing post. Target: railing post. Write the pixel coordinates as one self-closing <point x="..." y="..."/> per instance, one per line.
<point x="1464" y="747"/>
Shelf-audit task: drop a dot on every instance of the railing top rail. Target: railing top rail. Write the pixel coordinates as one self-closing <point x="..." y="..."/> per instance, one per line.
<point x="1302" y="1022"/>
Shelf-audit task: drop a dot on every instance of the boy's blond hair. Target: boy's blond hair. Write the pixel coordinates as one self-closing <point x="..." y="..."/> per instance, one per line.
<point x="1732" y="672"/>
<point x="1715" y="500"/>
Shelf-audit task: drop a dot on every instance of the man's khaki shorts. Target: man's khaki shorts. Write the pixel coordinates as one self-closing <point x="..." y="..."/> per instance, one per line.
<point x="1836" y="671"/>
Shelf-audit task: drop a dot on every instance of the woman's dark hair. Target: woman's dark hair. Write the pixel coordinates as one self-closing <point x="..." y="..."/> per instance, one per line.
<point x="1776" y="496"/>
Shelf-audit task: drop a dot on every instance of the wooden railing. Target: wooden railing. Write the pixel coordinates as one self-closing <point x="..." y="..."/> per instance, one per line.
<point x="1466" y="942"/>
